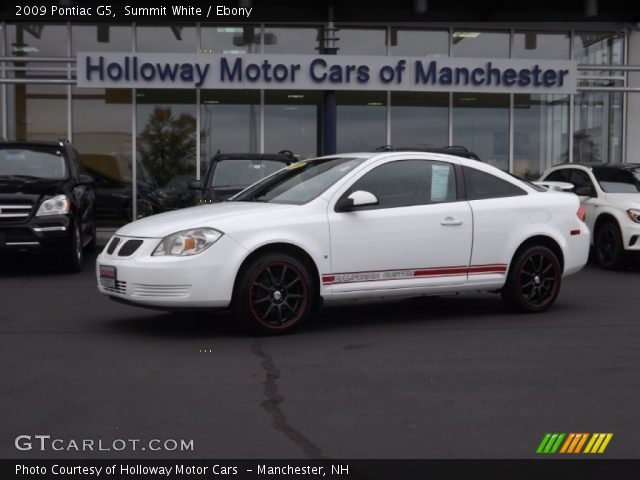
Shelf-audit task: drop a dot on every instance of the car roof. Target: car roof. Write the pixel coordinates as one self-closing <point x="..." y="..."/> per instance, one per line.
<point x="30" y="143"/>
<point x="281" y="157"/>
<point x="599" y="166"/>
<point x="457" y="150"/>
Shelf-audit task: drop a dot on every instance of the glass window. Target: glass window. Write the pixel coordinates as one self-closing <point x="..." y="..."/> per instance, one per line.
<point x="474" y="43"/>
<point x="481" y="124"/>
<point x="166" y="149"/>
<point x="230" y="39"/>
<point x="229" y="123"/>
<point x="540" y="133"/>
<point x="408" y="182"/>
<point x="598" y="48"/>
<point x="32" y="162"/>
<point x="241" y="173"/>
<point x="101" y="37"/>
<point x="419" y="119"/>
<point x="26" y="40"/>
<point x="361" y="41"/>
<point x="362" y="120"/>
<point x="290" y="122"/>
<point x="561" y="175"/>
<point x="291" y="40"/>
<point x="481" y="185"/>
<point x="104" y="144"/>
<point x="548" y="45"/>
<point x="166" y="38"/>
<point x="617" y="180"/>
<point x="39" y="111"/>
<point x="597" y="135"/>
<point x="418" y="43"/>
<point x="299" y="183"/>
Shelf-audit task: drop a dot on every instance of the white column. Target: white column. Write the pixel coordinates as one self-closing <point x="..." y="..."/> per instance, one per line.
<point x="632" y="138"/>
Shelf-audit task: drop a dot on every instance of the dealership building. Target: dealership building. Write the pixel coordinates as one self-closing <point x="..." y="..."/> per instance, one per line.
<point x="155" y="102"/>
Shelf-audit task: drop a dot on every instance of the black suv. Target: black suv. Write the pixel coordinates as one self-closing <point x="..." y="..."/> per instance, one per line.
<point x="46" y="201"/>
<point x="230" y="173"/>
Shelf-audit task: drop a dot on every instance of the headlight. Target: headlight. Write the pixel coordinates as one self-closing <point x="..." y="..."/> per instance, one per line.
<point x="187" y="242"/>
<point x="58" y="205"/>
<point x="634" y="215"/>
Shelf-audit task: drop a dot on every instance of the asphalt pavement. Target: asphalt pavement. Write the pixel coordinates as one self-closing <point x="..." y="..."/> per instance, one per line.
<point x="447" y="377"/>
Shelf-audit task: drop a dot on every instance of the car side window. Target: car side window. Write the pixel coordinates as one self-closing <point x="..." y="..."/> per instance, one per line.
<point x="561" y="175"/>
<point x="481" y="185"/>
<point x="580" y="179"/>
<point x="406" y="183"/>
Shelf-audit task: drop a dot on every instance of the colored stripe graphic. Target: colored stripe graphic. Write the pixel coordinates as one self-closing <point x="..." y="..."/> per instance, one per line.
<point x="550" y="443"/>
<point x="573" y="443"/>
<point x="598" y="442"/>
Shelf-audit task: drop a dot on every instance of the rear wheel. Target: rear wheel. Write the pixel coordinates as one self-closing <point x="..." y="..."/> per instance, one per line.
<point x="533" y="282"/>
<point x="274" y="294"/>
<point x="608" y="246"/>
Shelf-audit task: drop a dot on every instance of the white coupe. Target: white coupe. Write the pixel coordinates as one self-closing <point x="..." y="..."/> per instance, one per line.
<point x="352" y="226"/>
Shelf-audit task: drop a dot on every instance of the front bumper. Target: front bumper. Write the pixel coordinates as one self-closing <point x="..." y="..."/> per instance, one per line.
<point x="204" y="280"/>
<point x="39" y="234"/>
<point x="631" y="236"/>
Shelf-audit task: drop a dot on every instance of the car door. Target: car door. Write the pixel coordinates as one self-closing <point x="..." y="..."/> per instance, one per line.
<point x="417" y="235"/>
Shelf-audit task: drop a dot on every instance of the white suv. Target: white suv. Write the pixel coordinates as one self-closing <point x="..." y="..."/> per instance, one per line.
<point x="610" y="195"/>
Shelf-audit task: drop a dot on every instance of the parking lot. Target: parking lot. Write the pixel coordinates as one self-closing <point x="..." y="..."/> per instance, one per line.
<point x="447" y="377"/>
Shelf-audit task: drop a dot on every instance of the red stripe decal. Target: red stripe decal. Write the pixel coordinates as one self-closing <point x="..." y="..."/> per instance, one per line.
<point x="408" y="274"/>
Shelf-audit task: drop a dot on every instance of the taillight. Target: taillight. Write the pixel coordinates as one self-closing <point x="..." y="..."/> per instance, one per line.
<point x="581" y="213"/>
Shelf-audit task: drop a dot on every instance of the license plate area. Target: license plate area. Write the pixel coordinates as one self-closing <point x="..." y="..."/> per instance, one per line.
<point x="108" y="276"/>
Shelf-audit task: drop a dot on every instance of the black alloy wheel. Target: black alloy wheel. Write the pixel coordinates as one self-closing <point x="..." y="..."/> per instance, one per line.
<point x="533" y="282"/>
<point x="71" y="258"/>
<point x="608" y="246"/>
<point x="274" y="295"/>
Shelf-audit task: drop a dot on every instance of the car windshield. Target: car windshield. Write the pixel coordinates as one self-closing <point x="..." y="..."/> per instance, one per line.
<point x="241" y="173"/>
<point x="300" y="182"/>
<point x="617" y="180"/>
<point x="22" y="162"/>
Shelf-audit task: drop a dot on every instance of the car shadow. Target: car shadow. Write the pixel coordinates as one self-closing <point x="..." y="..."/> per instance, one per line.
<point x="459" y="311"/>
<point x="20" y="265"/>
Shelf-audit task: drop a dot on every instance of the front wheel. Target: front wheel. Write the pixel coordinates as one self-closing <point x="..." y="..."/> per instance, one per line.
<point x="274" y="294"/>
<point x="71" y="258"/>
<point x="608" y="246"/>
<point x="533" y="282"/>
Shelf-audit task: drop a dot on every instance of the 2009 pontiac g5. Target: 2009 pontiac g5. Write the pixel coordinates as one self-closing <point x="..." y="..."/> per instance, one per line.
<point x="352" y="226"/>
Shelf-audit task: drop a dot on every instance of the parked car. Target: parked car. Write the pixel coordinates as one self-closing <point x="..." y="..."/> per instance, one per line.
<point x="230" y="173"/>
<point x="610" y="195"/>
<point x="46" y="201"/>
<point x="352" y="226"/>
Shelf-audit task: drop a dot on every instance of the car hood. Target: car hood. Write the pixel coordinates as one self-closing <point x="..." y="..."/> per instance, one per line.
<point x="624" y="200"/>
<point x="32" y="187"/>
<point x="221" y="216"/>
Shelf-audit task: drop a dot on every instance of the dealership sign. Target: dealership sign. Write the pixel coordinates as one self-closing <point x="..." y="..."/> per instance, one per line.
<point x="325" y="72"/>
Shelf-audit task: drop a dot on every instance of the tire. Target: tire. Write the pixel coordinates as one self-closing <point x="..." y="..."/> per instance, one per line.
<point x="534" y="279"/>
<point x="608" y="246"/>
<point x="274" y="294"/>
<point x="91" y="246"/>
<point x="71" y="257"/>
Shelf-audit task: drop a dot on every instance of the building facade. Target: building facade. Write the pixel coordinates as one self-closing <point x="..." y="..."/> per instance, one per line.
<point x="148" y="143"/>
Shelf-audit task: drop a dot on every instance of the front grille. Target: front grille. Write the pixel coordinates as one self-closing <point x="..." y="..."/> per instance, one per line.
<point x="129" y="248"/>
<point x="144" y="290"/>
<point x="14" y="213"/>
<point x="121" y="288"/>
<point x="112" y="245"/>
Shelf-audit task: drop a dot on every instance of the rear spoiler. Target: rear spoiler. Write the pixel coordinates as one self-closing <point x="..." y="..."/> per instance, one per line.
<point x="556" y="186"/>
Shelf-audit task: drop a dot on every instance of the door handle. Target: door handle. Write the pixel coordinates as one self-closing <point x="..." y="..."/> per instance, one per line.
<point x="450" y="221"/>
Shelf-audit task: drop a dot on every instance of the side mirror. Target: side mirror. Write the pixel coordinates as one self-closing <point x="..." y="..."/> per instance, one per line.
<point x="359" y="198"/>
<point x="196" y="185"/>
<point x="84" y="179"/>
<point x="584" y="191"/>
